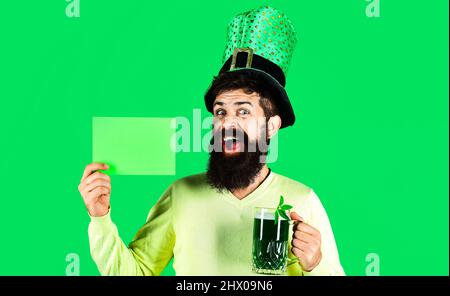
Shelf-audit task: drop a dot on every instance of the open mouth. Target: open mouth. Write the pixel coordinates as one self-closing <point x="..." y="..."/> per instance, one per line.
<point x="231" y="145"/>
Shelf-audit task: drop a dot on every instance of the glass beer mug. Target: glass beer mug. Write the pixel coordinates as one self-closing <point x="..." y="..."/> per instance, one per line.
<point x="270" y="242"/>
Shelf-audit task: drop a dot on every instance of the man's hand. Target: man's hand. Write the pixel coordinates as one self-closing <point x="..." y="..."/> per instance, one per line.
<point x="306" y="243"/>
<point x="95" y="188"/>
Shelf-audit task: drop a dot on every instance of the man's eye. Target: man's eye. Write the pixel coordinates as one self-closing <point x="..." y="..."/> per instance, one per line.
<point x="243" y="112"/>
<point x="220" y="112"/>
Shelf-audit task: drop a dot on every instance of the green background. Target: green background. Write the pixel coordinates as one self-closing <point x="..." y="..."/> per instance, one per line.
<point x="371" y="137"/>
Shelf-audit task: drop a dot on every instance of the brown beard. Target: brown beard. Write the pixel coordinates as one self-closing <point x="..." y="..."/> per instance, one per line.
<point x="235" y="171"/>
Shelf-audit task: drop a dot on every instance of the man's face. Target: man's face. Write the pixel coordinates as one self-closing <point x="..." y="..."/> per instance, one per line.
<point x="239" y="116"/>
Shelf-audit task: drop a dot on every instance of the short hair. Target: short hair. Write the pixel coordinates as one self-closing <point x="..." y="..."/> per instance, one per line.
<point x="249" y="83"/>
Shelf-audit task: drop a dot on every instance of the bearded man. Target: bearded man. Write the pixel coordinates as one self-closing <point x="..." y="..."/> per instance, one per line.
<point x="205" y="221"/>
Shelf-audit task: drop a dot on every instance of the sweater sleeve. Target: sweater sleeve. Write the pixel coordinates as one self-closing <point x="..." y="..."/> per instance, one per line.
<point x="330" y="263"/>
<point x="150" y="250"/>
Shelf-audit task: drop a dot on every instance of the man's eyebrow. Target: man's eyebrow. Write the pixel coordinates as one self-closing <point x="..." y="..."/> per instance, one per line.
<point x="243" y="102"/>
<point x="235" y="103"/>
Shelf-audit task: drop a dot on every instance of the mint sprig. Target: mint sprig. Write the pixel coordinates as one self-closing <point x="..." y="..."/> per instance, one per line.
<point x="281" y="210"/>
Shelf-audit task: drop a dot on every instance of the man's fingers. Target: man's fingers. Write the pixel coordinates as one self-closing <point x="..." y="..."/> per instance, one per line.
<point x="303" y="227"/>
<point x="93" y="167"/>
<point x="304" y="236"/>
<point x="95" y="176"/>
<point x="296" y="217"/>
<point x="312" y="241"/>
<point x="97" y="183"/>
<point x="302" y="245"/>
<point x="97" y="192"/>
<point x="301" y="255"/>
<point x="92" y="178"/>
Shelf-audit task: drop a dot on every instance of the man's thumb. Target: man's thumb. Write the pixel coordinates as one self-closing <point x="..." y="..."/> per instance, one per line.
<point x="296" y="217"/>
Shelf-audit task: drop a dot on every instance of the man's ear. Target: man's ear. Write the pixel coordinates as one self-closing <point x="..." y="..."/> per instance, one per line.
<point x="273" y="125"/>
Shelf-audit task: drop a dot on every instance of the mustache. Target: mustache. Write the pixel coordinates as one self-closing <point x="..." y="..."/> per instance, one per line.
<point x="240" y="136"/>
<point x="219" y="136"/>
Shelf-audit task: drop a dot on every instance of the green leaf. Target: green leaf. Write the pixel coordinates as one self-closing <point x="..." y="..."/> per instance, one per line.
<point x="286" y="207"/>
<point x="281" y="210"/>
<point x="283" y="214"/>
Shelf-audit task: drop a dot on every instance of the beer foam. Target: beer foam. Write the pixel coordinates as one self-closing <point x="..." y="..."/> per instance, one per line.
<point x="266" y="215"/>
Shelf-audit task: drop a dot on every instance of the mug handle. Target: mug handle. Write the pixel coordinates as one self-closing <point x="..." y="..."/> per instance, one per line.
<point x="292" y="222"/>
<point x="291" y="261"/>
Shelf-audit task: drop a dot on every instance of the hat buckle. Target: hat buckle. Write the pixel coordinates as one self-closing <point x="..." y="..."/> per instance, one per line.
<point x="237" y="50"/>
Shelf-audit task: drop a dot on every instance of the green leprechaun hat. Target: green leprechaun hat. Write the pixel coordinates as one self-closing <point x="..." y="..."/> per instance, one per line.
<point x="261" y="41"/>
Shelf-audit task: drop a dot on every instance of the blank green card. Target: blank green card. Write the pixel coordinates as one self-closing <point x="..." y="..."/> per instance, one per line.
<point x="134" y="145"/>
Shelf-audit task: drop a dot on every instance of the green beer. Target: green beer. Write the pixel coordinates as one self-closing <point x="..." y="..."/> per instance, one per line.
<point x="270" y="242"/>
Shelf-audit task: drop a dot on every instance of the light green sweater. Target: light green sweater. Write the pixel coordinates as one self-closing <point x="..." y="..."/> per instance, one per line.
<point x="206" y="232"/>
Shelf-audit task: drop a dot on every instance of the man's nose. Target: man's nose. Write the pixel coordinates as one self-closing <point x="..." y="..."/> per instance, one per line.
<point x="229" y="121"/>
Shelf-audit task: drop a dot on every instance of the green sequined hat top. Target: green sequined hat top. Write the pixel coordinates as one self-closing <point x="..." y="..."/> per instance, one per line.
<point x="260" y="44"/>
<point x="267" y="31"/>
